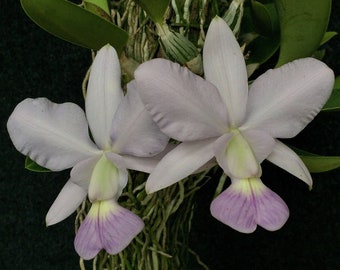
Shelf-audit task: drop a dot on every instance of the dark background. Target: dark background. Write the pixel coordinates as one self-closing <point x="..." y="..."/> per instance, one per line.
<point x="34" y="63"/>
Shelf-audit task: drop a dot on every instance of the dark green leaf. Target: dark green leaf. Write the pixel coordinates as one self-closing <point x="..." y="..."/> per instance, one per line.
<point x="101" y="4"/>
<point x="154" y="8"/>
<point x="327" y="37"/>
<point x="303" y="25"/>
<point x="32" y="166"/>
<point x="262" y="48"/>
<point x="333" y="103"/>
<point x="265" y="18"/>
<point x="74" y="24"/>
<point x="317" y="164"/>
<point x="97" y="10"/>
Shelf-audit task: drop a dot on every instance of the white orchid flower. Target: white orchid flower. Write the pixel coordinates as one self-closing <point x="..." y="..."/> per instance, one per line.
<point x="218" y="117"/>
<point x="56" y="136"/>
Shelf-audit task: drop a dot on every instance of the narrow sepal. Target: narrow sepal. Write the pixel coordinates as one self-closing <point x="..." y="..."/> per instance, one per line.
<point x="224" y="66"/>
<point x="285" y="158"/>
<point x="104" y="94"/>
<point x="69" y="198"/>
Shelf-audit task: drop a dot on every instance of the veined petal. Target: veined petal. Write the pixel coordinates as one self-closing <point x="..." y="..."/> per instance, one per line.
<point x="287" y="159"/>
<point x="133" y="130"/>
<point x="53" y="135"/>
<point x="68" y="200"/>
<point x="224" y="66"/>
<point x="104" y="94"/>
<point x="236" y="157"/>
<point x="185" y="106"/>
<point x="284" y="100"/>
<point x="248" y="203"/>
<point x="144" y="164"/>
<point x="107" y="179"/>
<point x="234" y="207"/>
<point x="107" y="226"/>
<point x="185" y="159"/>
<point x="271" y="211"/>
<point x="119" y="228"/>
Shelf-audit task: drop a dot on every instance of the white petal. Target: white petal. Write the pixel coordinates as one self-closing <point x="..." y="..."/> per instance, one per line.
<point x="133" y="130"/>
<point x="179" y="163"/>
<point x="224" y="66"/>
<point x="53" y="135"/>
<point x="68" y="200"/>
<point x="287" y="159"/>
<point x="284" y="100"/>
<point x="81" y="173"/>
<point x="184" y="106"/>
<point x="104" y="94"/>
<point x="144" y="164"/>
<point x="260" y="142"/>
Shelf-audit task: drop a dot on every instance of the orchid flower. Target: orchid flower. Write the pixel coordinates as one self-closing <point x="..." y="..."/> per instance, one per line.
<point x="56" y="136"/>
<point x="217" y="117"/>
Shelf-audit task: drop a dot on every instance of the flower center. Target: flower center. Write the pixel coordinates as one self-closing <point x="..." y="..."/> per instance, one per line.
<point x="104" y="183"/>
<point x="240" y="157"/>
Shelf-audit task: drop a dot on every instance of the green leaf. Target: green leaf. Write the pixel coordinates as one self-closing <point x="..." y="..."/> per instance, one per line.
<point x="154" y="8"/>
<point x="262" y="48"/>
<point x="265" y="18"/>
<point x="317" y="164"/>
<point x="102" y="4"/>
<point x="98" y="10"/>
<point x="303" y="25"/>
<point x="34" y="167"/>
<point x="333" y="103"/>
<point x="327" y="36"/>
<point x="74" y="24"/>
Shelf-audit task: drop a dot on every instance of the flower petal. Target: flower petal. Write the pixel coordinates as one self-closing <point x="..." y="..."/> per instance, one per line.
<point x="185" y="159"/>
<point x="248" y="202"/>
<point x="144" y="164"/>
<point x="68" y="200"/>
<point x="133" y="130"/>
<point x="287" y="159"/>
<point x="260" y="142"/>
<point x="81" y="173"/>
<point x="107" y="180"/>
<point x="224" y="66"/>
<point x="236" y="157"/>
<point x="119" y="227"/>
<point x="271" y="211"/>
<point x="284" y="100"/>
<point x="184" y="106"/>
<point x="53" y="135"/>
<point x="107" y="226"/>
<point x="87" y="242"/>
<point x="234" y="207"/>
<point x="104" y="94"/>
